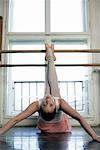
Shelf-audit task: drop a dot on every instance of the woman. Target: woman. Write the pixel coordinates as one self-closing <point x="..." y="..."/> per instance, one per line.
<point x="53" y="110"/>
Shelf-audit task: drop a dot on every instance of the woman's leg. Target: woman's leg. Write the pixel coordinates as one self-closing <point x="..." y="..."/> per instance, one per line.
<point x="47" y="88"/>
<point x="51" y="76"/>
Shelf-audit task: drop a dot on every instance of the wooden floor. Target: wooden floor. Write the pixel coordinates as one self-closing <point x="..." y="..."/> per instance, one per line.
<point x="29" y="138"/>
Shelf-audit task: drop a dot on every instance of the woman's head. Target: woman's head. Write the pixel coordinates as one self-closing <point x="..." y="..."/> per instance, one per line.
<point x="48" y="108"/>
<point x="48" y="104"/>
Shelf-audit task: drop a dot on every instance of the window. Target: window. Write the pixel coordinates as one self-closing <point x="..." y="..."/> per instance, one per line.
<point x="73" y="13"/>
<point x="29" y="30"/>
<point x="74" y="80"/>
<point x="27" y="84"/>
<point x="26" y="16"/>
<point x="23" y="79"/>
<point x="63" y="15"/>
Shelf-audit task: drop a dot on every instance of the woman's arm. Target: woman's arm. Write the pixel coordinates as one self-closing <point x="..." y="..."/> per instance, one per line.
<point x="32" y="108"/>
<point x="70" y="111"/>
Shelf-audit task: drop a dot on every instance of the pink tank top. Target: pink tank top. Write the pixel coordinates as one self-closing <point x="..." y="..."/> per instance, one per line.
<point x="60" y="124"/>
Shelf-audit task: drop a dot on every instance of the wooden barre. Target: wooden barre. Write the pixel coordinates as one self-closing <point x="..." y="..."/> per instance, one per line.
<point x="41" y="65"/>
<point x="39" y="51"/>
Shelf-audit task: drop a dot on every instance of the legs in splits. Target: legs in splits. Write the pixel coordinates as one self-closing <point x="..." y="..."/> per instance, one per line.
<point x="51" y="84"/>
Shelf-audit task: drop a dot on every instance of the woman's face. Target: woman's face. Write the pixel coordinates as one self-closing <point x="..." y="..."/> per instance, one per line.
<point x="48" y="104"/>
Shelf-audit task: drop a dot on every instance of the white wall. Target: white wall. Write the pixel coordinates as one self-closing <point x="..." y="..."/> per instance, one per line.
<point x="95" y="43"/>
<point x="1" y="7"/>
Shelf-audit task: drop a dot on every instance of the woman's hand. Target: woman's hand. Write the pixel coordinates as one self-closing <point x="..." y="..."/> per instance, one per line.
<point x="96" y="138"/>
<point x="70" y="111"/>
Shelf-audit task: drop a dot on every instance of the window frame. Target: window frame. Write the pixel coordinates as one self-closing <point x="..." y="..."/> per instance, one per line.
<point x="47" y="36"/>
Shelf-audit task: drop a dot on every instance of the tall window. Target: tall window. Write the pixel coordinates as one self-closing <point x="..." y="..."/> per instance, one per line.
<point x="63" y="15"/>
<point x="68" y="16"/>
<point x="27" y="16"/>
<point x="32" y="23"/>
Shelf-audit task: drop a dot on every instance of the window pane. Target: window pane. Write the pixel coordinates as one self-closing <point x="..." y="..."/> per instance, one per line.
<point x="25" y="96"/>
<point x="28" y="81"/>
<point x="17" y="97"/>
<point x="78" y="92"/>
<point x="71" y="73"/>
<point x="71" y="58"/>
<point x="27" y="73"/>
<point x="72" y="78"/>
<point x="28" y="58"/>
<point x="26" y="16"/>
<point x="68" y="16"/>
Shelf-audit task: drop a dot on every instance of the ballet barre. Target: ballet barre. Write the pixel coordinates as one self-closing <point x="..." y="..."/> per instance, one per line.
<point x="43" y="51"/>
<point x="57" y="65"/>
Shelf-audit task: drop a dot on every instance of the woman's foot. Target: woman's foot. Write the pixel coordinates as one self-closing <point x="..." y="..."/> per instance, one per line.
<point x="49" y="52"/>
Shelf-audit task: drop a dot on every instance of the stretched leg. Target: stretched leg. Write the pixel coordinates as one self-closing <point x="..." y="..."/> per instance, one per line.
<point x="51" y="76"/>
<point x="47" y="88"/>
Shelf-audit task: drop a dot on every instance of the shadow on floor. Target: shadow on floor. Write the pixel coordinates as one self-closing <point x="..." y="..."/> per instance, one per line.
<point x="92" y="145"/>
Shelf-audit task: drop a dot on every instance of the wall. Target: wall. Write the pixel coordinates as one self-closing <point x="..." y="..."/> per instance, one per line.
<point x="1" y="7"/>
<point x="1" y="111"/>
<point x="95" y="43"/>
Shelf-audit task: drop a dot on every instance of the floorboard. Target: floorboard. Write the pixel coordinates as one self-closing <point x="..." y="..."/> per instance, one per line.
<point x="29" y="138"/>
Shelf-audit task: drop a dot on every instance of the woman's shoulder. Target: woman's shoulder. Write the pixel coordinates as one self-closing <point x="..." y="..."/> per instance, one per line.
<point x="57" y="101"/>
<point x="60" y="101"/>
<point x="39" y="102"/>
